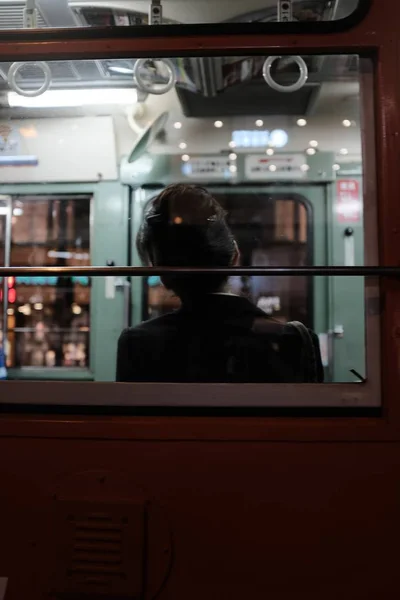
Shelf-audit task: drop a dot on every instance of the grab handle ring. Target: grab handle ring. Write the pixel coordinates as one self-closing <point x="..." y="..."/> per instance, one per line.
<point x="285" y="88"/>
<point x="147" y="86"/>
<point x="14" y="70"/>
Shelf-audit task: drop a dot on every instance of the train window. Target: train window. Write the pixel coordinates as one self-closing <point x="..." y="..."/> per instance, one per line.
<point x="17" y="14"/>
<point x="48" y="318"/>
<point x="290" y="161"/>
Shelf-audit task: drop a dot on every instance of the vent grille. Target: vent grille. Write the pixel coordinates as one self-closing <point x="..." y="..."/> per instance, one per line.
<point x="98" y="550"/>
<point x="12" y="16"/>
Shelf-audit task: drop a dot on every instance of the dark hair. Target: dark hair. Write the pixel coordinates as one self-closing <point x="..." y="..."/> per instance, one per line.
<point x="184" y="226"/>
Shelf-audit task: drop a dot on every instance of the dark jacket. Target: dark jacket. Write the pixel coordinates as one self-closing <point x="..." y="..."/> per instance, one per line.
<point x="218" y="338"/>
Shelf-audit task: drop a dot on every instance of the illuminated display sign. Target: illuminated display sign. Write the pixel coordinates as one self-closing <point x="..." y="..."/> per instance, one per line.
<point x="11" y="293"/>
<point x="277" y="138"/>
<point x="44" y="281"/>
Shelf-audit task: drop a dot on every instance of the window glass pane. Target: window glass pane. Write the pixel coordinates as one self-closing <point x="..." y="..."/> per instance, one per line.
<point x="81" y="164"/>
<point x="86" y="13"/>
<point x="48" y="317"/>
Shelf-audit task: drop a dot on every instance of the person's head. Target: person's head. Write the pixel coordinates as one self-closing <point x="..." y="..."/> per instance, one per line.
<point x="184" y="226"/>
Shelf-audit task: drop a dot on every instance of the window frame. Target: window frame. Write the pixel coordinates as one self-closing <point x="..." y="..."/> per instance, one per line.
<point x="363" y="396"/>
<point x="377" y="38"/>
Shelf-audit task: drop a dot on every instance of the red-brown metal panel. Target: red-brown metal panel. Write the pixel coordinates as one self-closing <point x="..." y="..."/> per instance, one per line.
<point x="257" y="507"/>
<point x="254" y="520"/>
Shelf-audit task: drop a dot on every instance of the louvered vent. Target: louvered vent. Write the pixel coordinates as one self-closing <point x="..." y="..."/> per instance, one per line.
<point x="12" y="16"/>
<point x="99" y="551"/>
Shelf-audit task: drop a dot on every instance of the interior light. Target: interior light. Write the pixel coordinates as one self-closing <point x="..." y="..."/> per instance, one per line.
<point x="259" y="123"/>
<point x="301" y="122"/>
<point x="121" y="70"/>
<point x="76" y="309"/>
<point x="270" y="151"/>
<point x="272" y="167"/>
<point x="25" y="309"/>
<point x="311" y="151"/>
<point x="185" y="157"/>
<point x="38" y="306"/>
<point x="346" y="123"/>
<point x="178" y="125"/>
<point x="232" y="156"/>
<point x="17" y="212"/>
<point x="344" y="151"/>
<point x="336" y="167"/>
<point x="313" y="144"/>
<point x="183" y="145"/>
<point x="233" y="168"/>
<point x="74" y="98"/>
<point x="232" y="144"/>
<point x="278" y="138"/>
<point x="218" y="124"/>
<point x="10" y="312"/>
<point x="305" y="167"/>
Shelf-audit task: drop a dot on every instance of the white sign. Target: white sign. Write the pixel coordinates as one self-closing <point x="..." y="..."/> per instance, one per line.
<point x="278" y="166"/>
<point x="277" y="138"/>
<point x="209" y="167"/>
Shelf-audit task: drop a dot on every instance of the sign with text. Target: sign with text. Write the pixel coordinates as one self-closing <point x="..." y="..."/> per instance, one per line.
<point x="279" y="166"/>
<point x="208" y="167"/>
<point x="348" y="202"/>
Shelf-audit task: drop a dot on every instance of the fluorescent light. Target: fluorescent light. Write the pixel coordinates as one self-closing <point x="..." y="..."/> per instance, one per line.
<point x="259" y="123"/>
<point x="218" y="124"/>
<point x="343" y="151"/>
<point x="346" y="123"/>
<point x="74" y="98"/>
<point x="185" y="157"/>
<point x="183" y="145"/>
<point x="313" y="144"/>
<point x="270" y="151"/>
<point x="301" y="122"/>
<point x="272" y="167"/>
<point x="278" y="138"/>
<point x="178" y="125"/>
<point x="233" y="168"/>
<point x="121" y="70"/>
<point x="232" y="156"/>
<point x="311" y="151"/>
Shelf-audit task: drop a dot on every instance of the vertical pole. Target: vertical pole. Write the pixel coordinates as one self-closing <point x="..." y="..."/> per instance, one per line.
<point x="7" y="254"/>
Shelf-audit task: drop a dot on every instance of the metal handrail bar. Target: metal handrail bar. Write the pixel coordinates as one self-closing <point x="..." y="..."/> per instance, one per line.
<point x="243" y="271"/>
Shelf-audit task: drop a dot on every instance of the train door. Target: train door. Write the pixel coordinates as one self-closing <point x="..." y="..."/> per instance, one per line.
<point x="274" y="225"/>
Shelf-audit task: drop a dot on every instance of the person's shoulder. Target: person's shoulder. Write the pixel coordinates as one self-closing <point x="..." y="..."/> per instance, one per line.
<point x="151" y="327"/>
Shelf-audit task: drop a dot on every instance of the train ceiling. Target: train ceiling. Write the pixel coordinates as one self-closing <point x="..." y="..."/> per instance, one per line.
<point x="219" y="89"/>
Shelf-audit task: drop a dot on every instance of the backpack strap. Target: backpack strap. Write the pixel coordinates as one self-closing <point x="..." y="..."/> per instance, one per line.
<point x="308" y="359"/>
